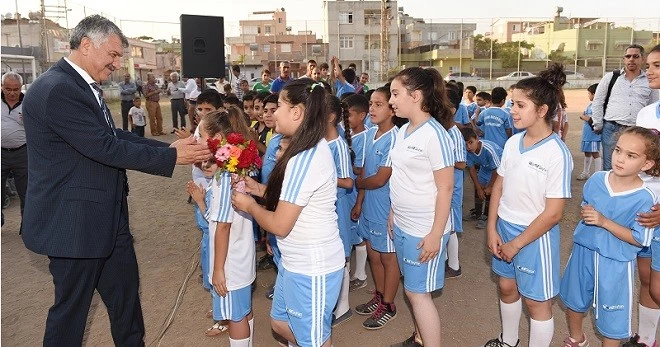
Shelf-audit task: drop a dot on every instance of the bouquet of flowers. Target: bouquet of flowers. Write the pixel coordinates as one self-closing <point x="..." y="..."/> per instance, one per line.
<point x="236" y="155"/>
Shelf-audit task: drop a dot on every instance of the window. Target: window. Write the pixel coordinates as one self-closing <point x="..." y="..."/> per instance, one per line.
<point x="455" y="69"/>
<point x="136" y="52"/>
<point x="346" y="42"/>
<point x="433" y="36"/>
<point x="374" y="42"/>
<point x="267" y="29"/>
<point x="266" y="49"/>
<point x="250" y="30"/>
<point x="515" y="28"/>
<point x="594" y="45"/>
<point x="279" y="20"/>
<point x="345" y="17"/>
<point x="285" y="48"/>
<point x="451" y="35"/>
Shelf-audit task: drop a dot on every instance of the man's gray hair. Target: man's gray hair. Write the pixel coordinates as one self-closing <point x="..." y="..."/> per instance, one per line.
<point x="14" y="75"/>
<point x="174" y="74"/>
<point x="97" y="29"/>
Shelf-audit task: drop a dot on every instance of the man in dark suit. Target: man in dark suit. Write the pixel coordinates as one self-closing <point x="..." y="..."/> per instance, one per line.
<point x="76" y="210"/>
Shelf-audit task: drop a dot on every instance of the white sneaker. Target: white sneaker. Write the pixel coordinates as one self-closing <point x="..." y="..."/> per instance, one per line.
<point x="583" y="176"/>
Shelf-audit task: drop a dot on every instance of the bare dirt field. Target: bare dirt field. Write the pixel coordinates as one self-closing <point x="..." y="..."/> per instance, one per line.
<point x="167" y="241"/>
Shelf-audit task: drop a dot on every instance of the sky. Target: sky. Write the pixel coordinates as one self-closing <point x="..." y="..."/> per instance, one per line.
<point x="159" y="18"/>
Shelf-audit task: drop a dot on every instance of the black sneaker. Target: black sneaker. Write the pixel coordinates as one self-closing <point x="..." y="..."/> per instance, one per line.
<point x="634" y="342"/>
<point x="380" y="317"/>
<point x="499" y="343"/>
<point x="370" y="307"/>
<point x="472" y="216"/>
<point x="410" y="342"/>
<point x="266" y="262"/>
<point x="451" y="273"/>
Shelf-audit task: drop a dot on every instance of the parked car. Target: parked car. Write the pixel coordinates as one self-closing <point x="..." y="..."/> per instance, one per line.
<point x="571" y="75"/>
<point x="462" y="77"/>
<point x="516" y="76"/>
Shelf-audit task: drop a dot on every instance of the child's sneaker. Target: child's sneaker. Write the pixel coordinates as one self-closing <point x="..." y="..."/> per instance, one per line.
<point x="383" y="314"/>
<point x="451" y="273"/>
<point x="482" y="223"/>
<point x="409" y="342"/>
<point x="343" y="318"/>
<point x="472" y="216"/>
<point x="357" y="283"/>
<point x="634" y="342"/>
<point x="499" y="343"/>
<point x="270" y="292"/>
<point x="371" y="306"/>
<point x="570" y="342"/>
<point x="583" y="176"/>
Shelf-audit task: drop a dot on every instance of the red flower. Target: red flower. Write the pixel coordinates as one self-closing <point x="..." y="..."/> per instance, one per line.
<point x="213" y="144"/>
<point x="235" y="138"/>
<point x="258" y="162"/>
<point x="249" y="157"/>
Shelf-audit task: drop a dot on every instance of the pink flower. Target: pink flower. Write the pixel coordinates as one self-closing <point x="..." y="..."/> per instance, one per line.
<point x="223" y="153"/>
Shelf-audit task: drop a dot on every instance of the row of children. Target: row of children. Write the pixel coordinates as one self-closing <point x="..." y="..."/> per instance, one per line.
<point x="403" y="190"/>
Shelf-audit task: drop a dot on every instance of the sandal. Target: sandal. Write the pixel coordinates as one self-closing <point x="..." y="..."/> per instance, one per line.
<point x="216" y="329"/>
<point x="209" y="314"/>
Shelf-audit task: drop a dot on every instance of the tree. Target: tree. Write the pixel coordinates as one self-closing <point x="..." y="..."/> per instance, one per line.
<point x="145" y="38"/>
<point x="507" y="52"/>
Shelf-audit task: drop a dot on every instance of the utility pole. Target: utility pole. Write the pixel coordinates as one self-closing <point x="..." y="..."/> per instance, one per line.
<point x="384" y="38"/>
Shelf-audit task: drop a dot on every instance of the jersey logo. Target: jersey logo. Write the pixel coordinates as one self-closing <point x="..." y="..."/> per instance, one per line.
<point x="294" y="313"/>
<point x="375" y="233"/>
<point x="537" y="167"/>
<point x="415" y="149"/>
<point x="613" y="307"/>
<point x="656" y="239"/>
<point x="525" y="270"/>
<point x="411" y="262"/>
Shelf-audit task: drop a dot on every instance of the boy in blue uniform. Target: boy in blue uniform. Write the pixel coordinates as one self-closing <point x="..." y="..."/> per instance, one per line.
<point x="487" y="155"/>
<point x="495" y="121"/>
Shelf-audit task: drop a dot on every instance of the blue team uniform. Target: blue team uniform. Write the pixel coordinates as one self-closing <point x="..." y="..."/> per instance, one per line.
<point x="460" y="154"/>
<point x="590" y="140"/>
<point x="358" y="143"/>
<point x="471" y="108"/>
<point x="376" y="206"/>
<point x="600" y="271"/>
<point x="488" y="160"/>
<point x="495" y="122"/>
<point x="203" y="226"/>
<point x="344" y="204"/>
<point x="462" y="116"/>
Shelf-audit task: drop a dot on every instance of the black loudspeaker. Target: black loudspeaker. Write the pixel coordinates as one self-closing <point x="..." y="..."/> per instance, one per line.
<point x="202" y="46"/>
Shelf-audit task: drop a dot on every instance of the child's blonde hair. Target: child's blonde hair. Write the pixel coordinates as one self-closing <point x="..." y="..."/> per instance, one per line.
<point x="651" y="139"/>
<point x="226" y="122"/>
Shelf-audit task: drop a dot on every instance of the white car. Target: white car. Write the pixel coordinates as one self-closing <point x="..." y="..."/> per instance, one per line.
<point x="516" y="76"/>
<point x="462" y="77"/>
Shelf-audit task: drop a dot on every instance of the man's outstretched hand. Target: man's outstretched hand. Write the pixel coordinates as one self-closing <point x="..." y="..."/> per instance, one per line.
<point x="188" y="151"/>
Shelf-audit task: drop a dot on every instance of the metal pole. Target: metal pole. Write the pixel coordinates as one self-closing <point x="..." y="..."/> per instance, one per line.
<point x="577" y="45"/>
<point x="306" y="57"/>
<point x="519" y="37"/>
<point x="66" y="18"/>
<point x="460" y="48"/>
<point x="490" y="73"/>
<point x="605" y="47"/>
<point x="369" y="42"/>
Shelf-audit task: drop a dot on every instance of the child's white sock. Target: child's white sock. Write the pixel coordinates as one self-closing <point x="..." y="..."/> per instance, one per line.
<point x="239" y="343"/>
<point x="540" y="332"/>
<point x="598" y="164"/>
<point x="587" y="165"/>
<point x="452" y="251"/>
<point x="648" y="324"/>
<point x="291" y="344"/>
<point x="342" y="303"/>
<point x="360" y="262"/>
<point x="510" y="321"/>
<point x="251" y="323"/>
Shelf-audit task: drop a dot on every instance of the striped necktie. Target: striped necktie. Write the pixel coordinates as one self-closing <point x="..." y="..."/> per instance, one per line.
<point x="104" y="107"/>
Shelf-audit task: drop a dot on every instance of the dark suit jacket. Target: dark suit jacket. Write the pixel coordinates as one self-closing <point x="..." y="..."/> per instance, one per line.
<point x="77" y="167"/>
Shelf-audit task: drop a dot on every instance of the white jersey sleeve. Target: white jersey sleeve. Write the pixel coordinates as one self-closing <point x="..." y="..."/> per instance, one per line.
<point x="298" y="185"/>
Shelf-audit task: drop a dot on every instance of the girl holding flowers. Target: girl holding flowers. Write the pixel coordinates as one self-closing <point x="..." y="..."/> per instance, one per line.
<point x="300" y="211"/>
<point x="231" y="247"/>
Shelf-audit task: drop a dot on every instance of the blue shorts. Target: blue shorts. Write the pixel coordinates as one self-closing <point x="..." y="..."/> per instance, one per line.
<point x="306" y="303"/>
<point x="613" y="283"/>
<point x="418" y="277"/>
<point x="456" y="217"/>
<point x="204" y="258"/>
<point x="536" y="267"/>
<point x="590" y="146"/>
<point x="655" y="250"/>
<point x="377" y="235"/>
<point x="356" y="238"/>
<point x="346" y="225"/>
<point x="234" y="306"/>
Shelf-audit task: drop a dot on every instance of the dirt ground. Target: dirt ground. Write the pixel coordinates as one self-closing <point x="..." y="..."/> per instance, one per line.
<point x="167" y="241"/>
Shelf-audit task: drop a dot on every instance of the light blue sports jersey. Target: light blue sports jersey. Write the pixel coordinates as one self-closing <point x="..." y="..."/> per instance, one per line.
<point x="495" y="122"/>
<point x="202" y="223"/>
<point x="587" y="131"/>
<point x="509" y="103"/>
<point x="461" y="116"/>
<point x="367" y="122"/>
<point x="342" y="158"/>
<point x="357" y="142"/>
<point x="376" y="207"/>
<point x="269" y="157"/>
<point x="621" y="208"/>
<point x="460" y="155"/>
<point x="471" y="108"/>
<point x="488" y="159"/>
<point x="225" y="213"/>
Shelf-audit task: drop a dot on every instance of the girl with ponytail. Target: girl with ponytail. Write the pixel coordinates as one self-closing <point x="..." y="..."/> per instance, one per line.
<point x="300" y="211"/>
